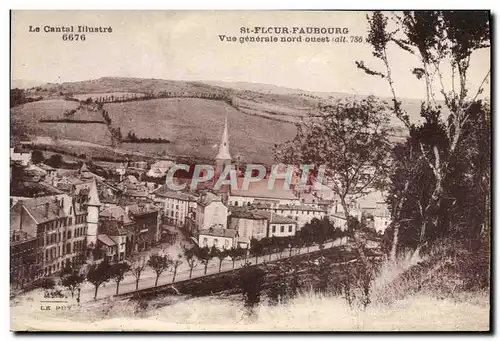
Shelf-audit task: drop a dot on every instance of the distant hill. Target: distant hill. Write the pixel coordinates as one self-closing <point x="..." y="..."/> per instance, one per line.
<point x="24" y="84"/>
<point x="188" y="114"/>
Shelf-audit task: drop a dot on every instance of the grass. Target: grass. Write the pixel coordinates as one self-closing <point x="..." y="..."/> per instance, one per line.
<point x="194" y="127"/>
<point x="27" y="119"/>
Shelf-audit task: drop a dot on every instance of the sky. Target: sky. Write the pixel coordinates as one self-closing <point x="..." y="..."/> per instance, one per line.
<point x="185" y="45"/>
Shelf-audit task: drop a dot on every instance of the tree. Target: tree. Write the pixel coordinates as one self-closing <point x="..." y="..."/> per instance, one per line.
<point x="191" y="259"/>
<point x="236" y="252"/>
<point x="159" y="264"/>
<point x="221" y="254"/>
<point x="99" y="274"/>
<point x="71" y="278"/>
<point x="55" y="160"/>
<point x="440" y="41"/>
<point x="118" y="272"/>
<point x="205" y="255"/>
<point x="175" y="264"/>
<point x="348" y="141"/>
<point x="136" y="269"/>
<point x="37" y="157"/>
<point x="250" y="283"/>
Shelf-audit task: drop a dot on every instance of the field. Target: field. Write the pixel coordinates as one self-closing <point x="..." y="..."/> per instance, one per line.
<point x="26" y="119"/>
<point x="259" y="115"/>
<point x="194" y="127"/>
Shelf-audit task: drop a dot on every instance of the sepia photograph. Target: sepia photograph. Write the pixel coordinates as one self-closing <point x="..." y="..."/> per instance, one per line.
<point x="250" y="170"/>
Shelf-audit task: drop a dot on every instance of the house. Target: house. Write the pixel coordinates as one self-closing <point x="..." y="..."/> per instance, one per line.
<point x="160" y="168"/>
<point x="25" y="258"/>
<point x="381" y="219"/>
<point x="112" y="239"/>
<point x="249" y="223"/>
<point x="177" y="206"/>
<point x="112" y="212"/>
<point x="20" y="155"/>
<point x="338" y="220"/>
<point x="219" y="237"/>
<point x="280" y="226"/>
<point x="210" y="211"/>
<point x="147" y="231"/>
<point x="300" y="213"/>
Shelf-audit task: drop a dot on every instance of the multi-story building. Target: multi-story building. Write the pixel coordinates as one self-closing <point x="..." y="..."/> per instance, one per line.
<point x="59" y="223"/>
<point x="221" y="238"/>
<point x="113" y="212"/>
<point x="113" y="240"/>
<point x="280" y="226"/>
<point x="147" y="231"/>
<point x="211" y="212"/>
<point x="249" y="223"/>
<point x="301" y="214"/>
<point x="25" y="258"/>
<point x="177" y="206"/>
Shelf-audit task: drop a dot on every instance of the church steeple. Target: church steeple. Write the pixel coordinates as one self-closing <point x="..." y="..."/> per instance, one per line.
<point x="223" y="158"/>
<point x="224" y="145"/>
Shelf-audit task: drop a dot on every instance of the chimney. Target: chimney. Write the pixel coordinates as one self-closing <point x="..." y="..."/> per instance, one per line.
<point x="46" y="210"/>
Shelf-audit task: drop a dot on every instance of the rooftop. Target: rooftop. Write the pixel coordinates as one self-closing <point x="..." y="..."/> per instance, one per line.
<point x="219" y="232"/>
<point x="208" y="198"/>
<point x="106" y="240"/>
<point x="260" y="189"/>
<point x="163" y="191"/>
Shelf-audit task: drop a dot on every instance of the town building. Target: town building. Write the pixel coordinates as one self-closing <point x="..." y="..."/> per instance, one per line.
<point x="112" y="239"/>
<point x="221" y="238"/>
<point x="113" y="212"/>
<point x="301" y="214"/>
<point x="280" y="226"/>
<point x="20" y="155"/>
<point x="147" y="231"/>
<point x="210" y="212"/>
<point x="177" y="206"/>
<point x="249" y="223"/>
<point x="59" y="224"/>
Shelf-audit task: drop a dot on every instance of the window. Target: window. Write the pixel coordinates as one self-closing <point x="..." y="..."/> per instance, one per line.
<point x="274" y="228"/>
<point x="290" y="228"/>
<point x="205" y="241"/>
<point x="176" y="207"/>
<point x="70" y="221"/>
<point x="282" y="228"/>
<point x="68" y="248"/>
<point x="235" y="203"/>
<point x="69" y="234"/>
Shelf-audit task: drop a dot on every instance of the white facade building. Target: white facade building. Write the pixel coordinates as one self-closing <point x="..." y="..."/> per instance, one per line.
<point x="218" y="237"/>
<point x="177" y="206"/>
<point x="211" y="212"/>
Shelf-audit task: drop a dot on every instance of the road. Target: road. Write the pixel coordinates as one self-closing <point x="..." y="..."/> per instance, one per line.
<point x="148" y="276"/>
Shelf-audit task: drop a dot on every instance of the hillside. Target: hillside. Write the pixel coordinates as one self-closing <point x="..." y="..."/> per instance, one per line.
<point x="188" y="114"/>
